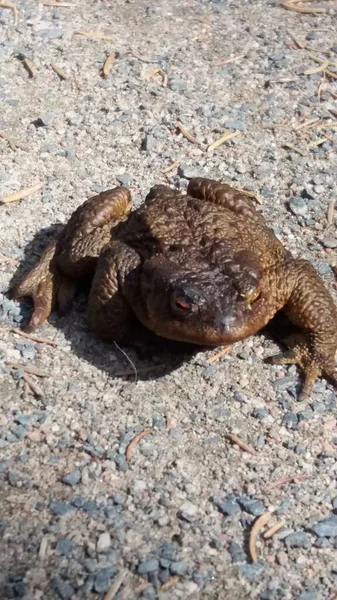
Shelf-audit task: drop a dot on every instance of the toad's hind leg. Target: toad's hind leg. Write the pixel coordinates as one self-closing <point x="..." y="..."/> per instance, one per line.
<point x="223" y="195"/>
<point x="73" y="255"/>
<point x="311" y="308"/>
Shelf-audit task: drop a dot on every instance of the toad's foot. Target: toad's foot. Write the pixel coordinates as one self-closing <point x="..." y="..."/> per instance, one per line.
<point x="47" y="287"/>
<point x="313" y="366"/>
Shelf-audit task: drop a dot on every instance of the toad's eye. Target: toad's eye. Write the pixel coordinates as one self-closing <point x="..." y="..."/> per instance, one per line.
<point x="182" y="303"/>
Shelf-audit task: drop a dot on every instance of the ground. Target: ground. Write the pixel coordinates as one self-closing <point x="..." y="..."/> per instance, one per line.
<point x="173" y="518"/>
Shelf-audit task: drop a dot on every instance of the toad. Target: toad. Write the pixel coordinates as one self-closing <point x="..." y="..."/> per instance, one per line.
<point x="201" y="267"/>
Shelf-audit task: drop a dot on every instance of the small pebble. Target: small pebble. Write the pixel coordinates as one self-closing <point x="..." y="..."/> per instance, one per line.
<point x="326" y="528"/>
<point x="103" y="543"/>
<point x="63" y="589"/>
<point x="72" y="478"/>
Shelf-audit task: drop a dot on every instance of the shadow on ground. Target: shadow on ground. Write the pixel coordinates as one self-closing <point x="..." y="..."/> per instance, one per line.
<point x="151" y="358"/>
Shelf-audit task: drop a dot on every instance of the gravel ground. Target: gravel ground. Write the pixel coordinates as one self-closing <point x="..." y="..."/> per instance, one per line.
<point x="77" y="512"/>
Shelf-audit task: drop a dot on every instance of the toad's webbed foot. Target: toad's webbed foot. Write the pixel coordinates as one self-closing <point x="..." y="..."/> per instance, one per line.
<point x="73" y="255"/>
<point x="47" y="287"/>
<point x="311" y="365"/>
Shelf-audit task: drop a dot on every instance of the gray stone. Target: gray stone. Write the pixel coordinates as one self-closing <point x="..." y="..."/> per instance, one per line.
<point x="284" y="383"/>
<point x="64" y="547"/>
<point x="227" y="507"/>
<point x="298" y="539"/>
<point x="150" y="565"/>
<point x="290" y="420"/>
<point x="188" y="511"/>
<point x="60" y="508"/>
<point x="70" y="154"/>
<point x="261" y="414"/>
<point x="4" y="464"/>
<point x="63" y="589"/>
<point x="124" y="179"/>
<point x="330" y="243"/>
<point x="251" y="505"/>
<point x="324" y="268"/>
<point x="326" y="528"/>
<point x="149" y="143"/>
<point x="235" y="124"/>
<point x="27" y="419"/>
<point x="176" y="432"/>
<point x="188" y="171"/>
<point x="251" y="572"/>
<point x="158" y="421"/>
<point x="72" y="478"/>
<point x="177" y="84"/>
<point x="19" y="431"/>
<point x="298" y="206"/>
<point x="178" y="568"/>
<point x="237" y="552"/>
<point x="14" y="478"/>
<point x="104" y="542"/>
<point x="50" y="34"/>
<point x="308" y="596"/>
<point x="103" y="578"/>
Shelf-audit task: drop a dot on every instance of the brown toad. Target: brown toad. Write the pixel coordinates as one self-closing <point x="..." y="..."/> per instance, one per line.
<point x="201" y="268"/>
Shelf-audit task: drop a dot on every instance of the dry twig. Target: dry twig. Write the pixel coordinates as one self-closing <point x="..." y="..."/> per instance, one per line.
<point x="59" y="71"/>
<point x="319" y="69"/>
<point x="257" y="527"/>
<point x="187" y="134"/>
<point x="12" y="144"/>
<point x="219" y="354"/>
<point x="331" y="212"/>
<point x="172" y="167"/>
<point x="307" y="124"/>
<point x="108" y="64"/>
<point x="21" y="194"/>
<point x="168" y="584"/>
<point x="295" y="149"/>
<point x="319" y="142"/>
<point x="224" y="138"/>
<point x="131" y="447"/>
<point x="33" y="386"/>
<point x="157" y="71"/>
<point x="228" y="61"/>
<point x="284" y="481"/>
<point x="26" y="369"/>
<point x="28" y="66"/>
<point x="129" y="359"/>
<point x="299" y="6"/>
<point x="11" y="6"/>
<point x="236" y="440"/>
<point x="29" y="336"/>
<point x="274" y="529"/>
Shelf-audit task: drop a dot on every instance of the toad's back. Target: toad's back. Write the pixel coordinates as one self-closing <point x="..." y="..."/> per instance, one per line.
<point x="169" y="223"/>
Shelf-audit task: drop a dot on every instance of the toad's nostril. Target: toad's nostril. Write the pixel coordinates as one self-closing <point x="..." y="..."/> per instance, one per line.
<point x="226" y="323"/>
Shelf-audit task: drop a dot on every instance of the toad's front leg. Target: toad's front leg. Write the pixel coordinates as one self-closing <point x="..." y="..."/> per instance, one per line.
<point x="113" y="288"/>
<point x="311" y="308"/>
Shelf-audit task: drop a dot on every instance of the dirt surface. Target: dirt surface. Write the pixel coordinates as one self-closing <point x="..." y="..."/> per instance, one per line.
<point x="80" y="512"/>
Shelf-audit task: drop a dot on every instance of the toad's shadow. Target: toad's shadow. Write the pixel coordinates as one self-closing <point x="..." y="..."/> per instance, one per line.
<point x="152" y="358"/>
